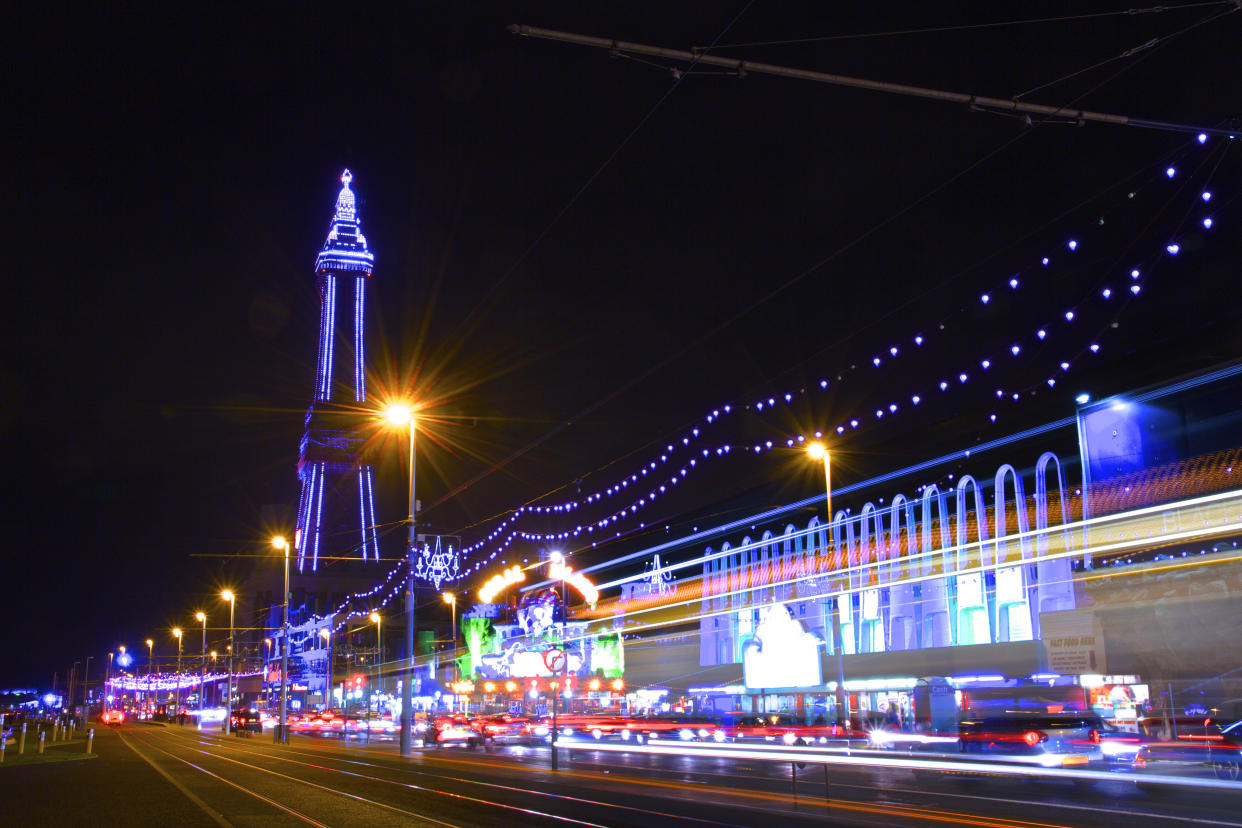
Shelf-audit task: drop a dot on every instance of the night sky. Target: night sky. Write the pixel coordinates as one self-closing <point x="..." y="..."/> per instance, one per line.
<point x="577" y="258"/>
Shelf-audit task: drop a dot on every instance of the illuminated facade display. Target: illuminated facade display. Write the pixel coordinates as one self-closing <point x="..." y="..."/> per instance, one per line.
<point x="910" y="575"/>
<point x="437" y="563"/>
<point x="781" y="653"/>
<point x="328" y="458"/>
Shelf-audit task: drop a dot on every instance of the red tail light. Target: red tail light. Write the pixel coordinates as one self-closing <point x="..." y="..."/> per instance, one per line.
<point x="1034" y="737"/>
<point x="1094" y="738"/>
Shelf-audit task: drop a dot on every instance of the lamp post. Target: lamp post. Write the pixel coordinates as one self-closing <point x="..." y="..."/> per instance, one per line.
<point x="400" y="416"/>
<point x="86" y="690"/>
<point x="228" y="595"/>
<point x="202" y="667"/>
<point x="451" y="599"/>
<point x="379" y="672"/>
<point x="107" y="678"/>
<point x="557" y="557"/>
<point x="177" y="635"/>
<point x="282" y="735"/>
<point x="150" y="664"/>
<point x="327" y="671"/>
<point x="818" y="451"/>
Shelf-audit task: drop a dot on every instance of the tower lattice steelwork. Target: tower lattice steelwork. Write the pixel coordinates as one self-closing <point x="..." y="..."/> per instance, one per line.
<point x="336" y="512"/>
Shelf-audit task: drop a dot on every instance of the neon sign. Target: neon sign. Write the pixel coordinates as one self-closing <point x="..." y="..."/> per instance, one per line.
<point x="512" y="575"/>
<point x="561" y="571"/>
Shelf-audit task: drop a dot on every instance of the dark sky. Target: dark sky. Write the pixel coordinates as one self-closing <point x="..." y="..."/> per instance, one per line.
<point x="560" y="237"/>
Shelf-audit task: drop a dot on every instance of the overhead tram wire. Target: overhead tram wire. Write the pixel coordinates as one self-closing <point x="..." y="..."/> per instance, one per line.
<point x="964" y="27"/>
<point x="744" y="67"/>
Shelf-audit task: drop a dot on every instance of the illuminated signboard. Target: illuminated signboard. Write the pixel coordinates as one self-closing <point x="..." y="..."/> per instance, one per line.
<point x="781" y="653"/>
<point x="497" y="583"/>
<point x="561" y="571"/>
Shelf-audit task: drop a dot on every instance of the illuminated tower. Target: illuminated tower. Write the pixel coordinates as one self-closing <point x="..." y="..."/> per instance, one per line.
<point x="336" y="512"/>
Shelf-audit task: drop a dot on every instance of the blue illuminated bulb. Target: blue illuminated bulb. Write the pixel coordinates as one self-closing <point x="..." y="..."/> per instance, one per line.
<point x="879" y="413"/>
<point x="1082" y="399"/>
<point x="1170" y="172"/>
<point x="1064" y="366"/>
<point x="1073" y="245"/>
<point x="1069" y="316"/>
<point x="1135" y="289"/>
<point x="840" y="429"/>
<point x="1207" y="223"/>
<point x="1051" y="382"/>
<point x="915" y="399"/>
<point x="1000" y="392"/>
<point x="1015" y="350"/>
<point x="986" y="364"/>
<point x="893" y="350"/>
<point x="823" y="383"/>
<point x="1107" y="292"/>
<point x="1013" y="283"/>
<point x="961" y="377"/>
<point x="892" y="407"/>
<point x="943" y="386"/>
<point x="1202" y="137"/>
<point x="1041" y="333"/>
<point x="853" y="423"/>
<point x="876" y="361"/>
<point x="918" y="340"/>
<point x="1134" y="274"/>
<point x="992" y="417"/>
<point x="1095" y="349"/>
<point x="1207" y="195"/>
<point x="985" y="298"/>
<point x="1044" y="261"/>
<point x="1173" y="249"/>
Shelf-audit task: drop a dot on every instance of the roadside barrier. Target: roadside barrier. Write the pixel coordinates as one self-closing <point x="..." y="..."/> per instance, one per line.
<point x="90" y="739"/>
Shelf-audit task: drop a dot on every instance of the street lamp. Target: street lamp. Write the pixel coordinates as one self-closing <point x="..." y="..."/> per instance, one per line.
<point x="818" y="451"/>
<point x="150" y="663"/>
<point x="228" y="595"/>
<point x="327" y="673"/>
<point x="401" y="416"/>
<point x="177" y="635"/>
<point x="451" y="599"/>
<point x="282" y="735"/>
<point x="557" y="558"/>
<point x="379" y="662"/>
<point x="202" y="667"/>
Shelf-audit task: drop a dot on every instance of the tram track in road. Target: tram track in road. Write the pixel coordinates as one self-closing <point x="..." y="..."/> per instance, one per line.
<point x="281" y="755"/>
<point x="752" y="800"/>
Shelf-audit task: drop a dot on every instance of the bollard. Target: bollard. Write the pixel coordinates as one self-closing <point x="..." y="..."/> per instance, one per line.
<point x="793" y="781"/>
<point x="90" y="739"/>
<point x="41" y="734"/>
<point x="21" y="741"/>
<point x="70" y="736"/>
<point x="826" y="791"/>
<point x="1" y="746"/>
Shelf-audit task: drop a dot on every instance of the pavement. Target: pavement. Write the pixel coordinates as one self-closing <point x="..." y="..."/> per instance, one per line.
<point x="151" y="775"/>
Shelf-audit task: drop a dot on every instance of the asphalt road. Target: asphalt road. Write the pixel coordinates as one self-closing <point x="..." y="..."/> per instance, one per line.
<point x="151" y="775"/>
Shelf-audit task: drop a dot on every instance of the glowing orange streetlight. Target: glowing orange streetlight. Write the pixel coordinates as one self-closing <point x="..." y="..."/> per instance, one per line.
<point x="401" y="415"/>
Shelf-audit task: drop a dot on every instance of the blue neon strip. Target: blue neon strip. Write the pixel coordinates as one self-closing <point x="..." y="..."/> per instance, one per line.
<point x="371" y="499"/>
<point x="331" y="339"/>
<point x="318" y="518"/>
<point x="362" y="513"/>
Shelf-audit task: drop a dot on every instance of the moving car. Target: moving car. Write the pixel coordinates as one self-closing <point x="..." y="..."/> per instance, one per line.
<point x="112" y="717"/>
<point x="1050" y="740"/>
<point x="1192" y="747"/>
<point x="244" y="722"/>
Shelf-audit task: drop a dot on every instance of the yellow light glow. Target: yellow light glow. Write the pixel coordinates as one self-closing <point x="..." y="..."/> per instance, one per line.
<point x="121" y="648"/>
<point x="227" y="595"/>
<point x="816" y="450"/>
<point x="489" y="687"/>
<point x="375" y="617"/>
<point x="510" y="686"/>
<point x="213" y="655"/>
<point x="399" y="414"/>
<point x="512" y="575"/>
<point x="618" y="684"/>
<point x="176" y="632"/>
<point x="280" y="543"/>
<point x="267" y="641"/>
<point x="200" y="617"/>
<point x="150" y="643"/>
<point x="449" y="598"/>
<point x="326" y="633"/>
<point x="594" y="685"/>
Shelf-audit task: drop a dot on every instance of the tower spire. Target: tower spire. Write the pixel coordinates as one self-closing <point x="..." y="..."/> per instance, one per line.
<point x="328" y="464"/>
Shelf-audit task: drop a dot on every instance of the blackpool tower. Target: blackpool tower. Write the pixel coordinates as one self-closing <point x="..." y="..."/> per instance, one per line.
<point x="336" y="511"/>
